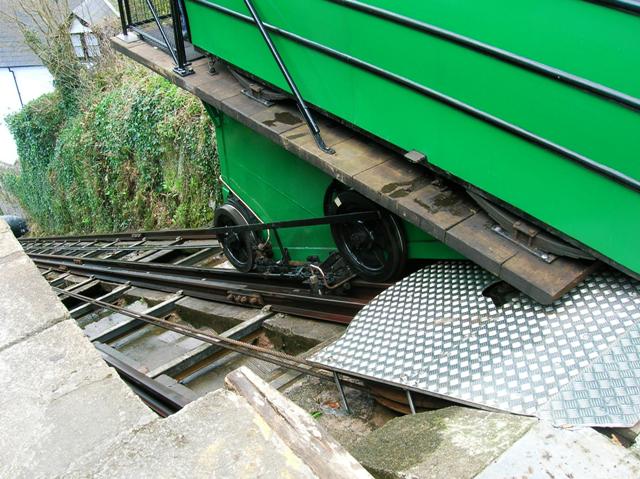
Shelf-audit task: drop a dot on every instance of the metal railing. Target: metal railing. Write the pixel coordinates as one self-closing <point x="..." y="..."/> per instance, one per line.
<point x="137" y="15"/>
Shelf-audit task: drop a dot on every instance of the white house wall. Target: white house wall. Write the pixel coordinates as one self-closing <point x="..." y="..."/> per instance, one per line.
<point x="29" y="83"/>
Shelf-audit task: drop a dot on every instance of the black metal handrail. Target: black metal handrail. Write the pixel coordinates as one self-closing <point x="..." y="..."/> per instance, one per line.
<point x="136" y="14"/>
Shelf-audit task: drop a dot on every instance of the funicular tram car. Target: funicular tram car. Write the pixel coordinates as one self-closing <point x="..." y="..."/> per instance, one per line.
<point x="525" y="107"/>
<point x="502" y="133"/>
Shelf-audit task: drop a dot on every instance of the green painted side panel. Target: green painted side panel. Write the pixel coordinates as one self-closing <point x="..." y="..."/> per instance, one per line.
<point x="278" y="186"/>
<point x="584" y="39"/>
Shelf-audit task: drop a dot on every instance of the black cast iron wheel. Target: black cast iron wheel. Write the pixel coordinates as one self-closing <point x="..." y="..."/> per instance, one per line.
<point x="239" y="248"/>
<point x="375" y="249"/>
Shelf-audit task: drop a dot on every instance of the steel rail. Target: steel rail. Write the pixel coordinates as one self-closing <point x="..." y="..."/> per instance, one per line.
<point x="497" y="122"/>
<point x="248" y="289"/>
<point x="210" y="233"/>
<point x="301" y="365"/>
<point x="157" y="396"/>
<point x="367" y="288"/>
<point x="124" y="247"/>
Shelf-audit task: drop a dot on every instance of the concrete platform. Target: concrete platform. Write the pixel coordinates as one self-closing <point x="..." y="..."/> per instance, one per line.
<point x="59" y="401"/>
<point x="217" y="450"/>
<point x="221" y="435"/>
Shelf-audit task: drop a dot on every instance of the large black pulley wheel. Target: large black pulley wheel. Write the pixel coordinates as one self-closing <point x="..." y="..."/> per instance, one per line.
<point x="376" y="249"/>
<point x="239" y="248"/>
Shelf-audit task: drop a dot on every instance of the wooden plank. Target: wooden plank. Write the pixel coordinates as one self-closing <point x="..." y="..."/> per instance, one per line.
<point x="435" y="208"/>
<point x="277" y="119"/>
<point x="474" y="238"/>
<point x="332" y="134"/>
<point x="242" y="106"/>
<point x="299" y="431"/>
<point x="218" y="88"/>
<point x="545" y="282"/>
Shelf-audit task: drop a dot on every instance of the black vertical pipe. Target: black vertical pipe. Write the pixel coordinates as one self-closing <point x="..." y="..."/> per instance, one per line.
<point x="182" y="67"/>
<point x="123" y="17"/>
<point x="128" y="18"/>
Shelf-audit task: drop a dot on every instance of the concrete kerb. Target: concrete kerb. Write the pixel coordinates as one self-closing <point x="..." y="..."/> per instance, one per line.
<point x="27" y="304"/>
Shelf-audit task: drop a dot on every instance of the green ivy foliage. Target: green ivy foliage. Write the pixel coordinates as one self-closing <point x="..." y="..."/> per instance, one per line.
<point x="140" y="154"/>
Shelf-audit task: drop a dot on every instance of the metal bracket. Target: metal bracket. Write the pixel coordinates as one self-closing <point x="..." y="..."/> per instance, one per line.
<point x="249" y="94"/>
<point x="416" y="157"/>
<point x="256" y="91"/>
<point x="527" y="236"/>
<point x="543" y="255"/>
<point x="412" y="407"/>
<point x="343" y="396"/>
<point x="302" y="106"/>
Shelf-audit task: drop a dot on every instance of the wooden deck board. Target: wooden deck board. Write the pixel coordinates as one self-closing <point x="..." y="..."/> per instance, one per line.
<point x="413" y="192"/>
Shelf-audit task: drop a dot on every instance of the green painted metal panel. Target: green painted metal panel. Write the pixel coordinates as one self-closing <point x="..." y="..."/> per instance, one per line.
<point x="597" y="43"/>
<point x="278" y="186"/>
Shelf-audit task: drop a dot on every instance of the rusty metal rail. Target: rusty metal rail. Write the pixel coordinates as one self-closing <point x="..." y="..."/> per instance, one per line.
<point x="284" y="295"/>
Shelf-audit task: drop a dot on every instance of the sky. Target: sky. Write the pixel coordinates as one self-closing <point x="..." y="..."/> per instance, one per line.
<point x="29" y="83"/>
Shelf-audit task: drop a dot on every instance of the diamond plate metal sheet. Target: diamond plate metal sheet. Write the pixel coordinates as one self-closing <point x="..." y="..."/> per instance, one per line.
<point x="607" y="393"/>
<point x="436" y="333"/>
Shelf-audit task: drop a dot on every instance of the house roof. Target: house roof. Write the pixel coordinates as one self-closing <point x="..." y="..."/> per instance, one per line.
<point x="13" y="50"/>
<point x="92" y="12"/>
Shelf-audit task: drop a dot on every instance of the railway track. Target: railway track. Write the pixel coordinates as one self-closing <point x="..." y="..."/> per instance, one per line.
<point x="186" y="260"/>
<point x="94" y="276"/>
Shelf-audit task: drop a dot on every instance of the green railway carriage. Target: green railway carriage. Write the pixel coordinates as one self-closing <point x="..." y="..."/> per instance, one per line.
<point x="274" y="185"/>
<point x="534" y="104"/>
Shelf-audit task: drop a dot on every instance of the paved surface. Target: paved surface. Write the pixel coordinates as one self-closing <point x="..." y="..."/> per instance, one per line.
<point x="546" y="452"/>
<point x="217" y="436"/>
<point x="58" y="401"/>
<point x="463" y="443"/>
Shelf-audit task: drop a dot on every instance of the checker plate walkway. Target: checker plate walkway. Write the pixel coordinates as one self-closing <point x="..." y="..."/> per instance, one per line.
<point x="576" y="362"/>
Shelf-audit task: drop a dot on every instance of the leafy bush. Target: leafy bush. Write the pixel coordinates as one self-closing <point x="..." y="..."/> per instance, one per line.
<point x="137" y="153"/>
